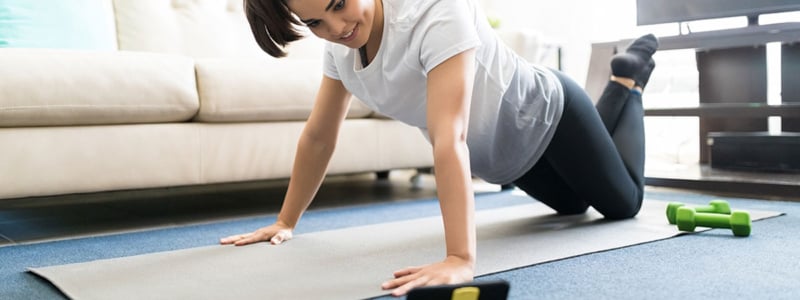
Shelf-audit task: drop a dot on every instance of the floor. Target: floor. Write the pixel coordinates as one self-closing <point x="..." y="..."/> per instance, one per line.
<point x="63" y="217"/>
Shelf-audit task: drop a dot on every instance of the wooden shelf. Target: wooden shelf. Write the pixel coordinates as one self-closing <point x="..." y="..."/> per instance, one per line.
<point x="726" y="38"/>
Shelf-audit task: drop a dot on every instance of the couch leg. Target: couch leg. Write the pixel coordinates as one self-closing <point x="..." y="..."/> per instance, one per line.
<point x="382" y="175"/>
<point x="416" y="181"/>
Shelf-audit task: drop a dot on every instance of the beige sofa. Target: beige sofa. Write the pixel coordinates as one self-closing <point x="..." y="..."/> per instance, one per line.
<point x="181" y="96"/>
<point x="186" y="98"/>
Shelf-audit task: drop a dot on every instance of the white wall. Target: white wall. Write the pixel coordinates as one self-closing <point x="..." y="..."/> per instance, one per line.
<point x="574" y="24"/>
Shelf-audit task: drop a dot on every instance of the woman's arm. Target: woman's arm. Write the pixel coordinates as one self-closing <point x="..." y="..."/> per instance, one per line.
<point x="314" y="150"/>
<point x="449" y="97"/>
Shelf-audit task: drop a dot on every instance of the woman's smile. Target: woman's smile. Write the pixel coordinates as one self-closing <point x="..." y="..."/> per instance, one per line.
<point x="350" y="35"/>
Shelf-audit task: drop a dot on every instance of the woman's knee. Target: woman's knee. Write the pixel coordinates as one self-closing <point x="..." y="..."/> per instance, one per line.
<point x="571" y="208"/>
<point x="622" y="210"/>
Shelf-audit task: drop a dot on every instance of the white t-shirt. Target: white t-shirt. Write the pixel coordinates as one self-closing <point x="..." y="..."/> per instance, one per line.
<point x="515" y="106"/>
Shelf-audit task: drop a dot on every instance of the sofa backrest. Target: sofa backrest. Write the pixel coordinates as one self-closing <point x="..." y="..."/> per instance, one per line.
<point x="196" y="28"/>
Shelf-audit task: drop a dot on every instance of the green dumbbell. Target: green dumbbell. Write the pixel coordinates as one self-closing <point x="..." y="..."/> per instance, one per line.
<point x="714" y="207"/>
<point x="738" y="221"/>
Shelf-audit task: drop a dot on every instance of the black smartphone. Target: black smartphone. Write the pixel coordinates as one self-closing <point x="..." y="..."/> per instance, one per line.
<point x="485" y="290"/>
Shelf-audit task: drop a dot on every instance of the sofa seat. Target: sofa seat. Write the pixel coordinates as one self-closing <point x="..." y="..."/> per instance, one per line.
<point x="40" y="161"/>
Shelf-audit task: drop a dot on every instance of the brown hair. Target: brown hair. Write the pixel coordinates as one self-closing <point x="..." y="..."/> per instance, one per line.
<point x="273" y="25"/>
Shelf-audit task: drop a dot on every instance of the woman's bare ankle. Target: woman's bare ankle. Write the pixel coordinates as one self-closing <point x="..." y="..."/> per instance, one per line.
<point x="624" y="81"/>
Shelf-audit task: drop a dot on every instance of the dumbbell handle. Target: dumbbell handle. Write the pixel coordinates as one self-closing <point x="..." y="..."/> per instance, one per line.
<point x="715" y="206"/>
<point x="712" y="220"/>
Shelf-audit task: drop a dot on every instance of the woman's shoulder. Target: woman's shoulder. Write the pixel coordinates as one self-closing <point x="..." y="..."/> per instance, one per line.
<point x="412" y="11"/>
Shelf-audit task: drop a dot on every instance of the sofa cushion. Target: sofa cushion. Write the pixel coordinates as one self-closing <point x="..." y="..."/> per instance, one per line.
<point x="46" y="87"/>
<point x="73" y="24"/>
<point x="252" y="90"/>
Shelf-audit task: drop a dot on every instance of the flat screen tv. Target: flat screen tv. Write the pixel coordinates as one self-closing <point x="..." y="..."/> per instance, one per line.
<point x="650" y="12"/>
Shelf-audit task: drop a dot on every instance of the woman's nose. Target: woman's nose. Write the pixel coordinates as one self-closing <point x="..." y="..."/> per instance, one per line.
<point x="337" y="28"/>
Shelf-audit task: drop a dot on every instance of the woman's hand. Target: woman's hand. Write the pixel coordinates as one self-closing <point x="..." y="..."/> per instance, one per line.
<point x="276" y="233"/>
<point x="452" y="270"/>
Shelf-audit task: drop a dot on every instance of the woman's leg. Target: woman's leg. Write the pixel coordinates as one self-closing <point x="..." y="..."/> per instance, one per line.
<point x="581" y="166"/>
<point x="596" y="157"/>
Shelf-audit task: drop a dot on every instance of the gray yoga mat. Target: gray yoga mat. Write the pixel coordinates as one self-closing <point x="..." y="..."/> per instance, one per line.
<point x="351" y="263"/>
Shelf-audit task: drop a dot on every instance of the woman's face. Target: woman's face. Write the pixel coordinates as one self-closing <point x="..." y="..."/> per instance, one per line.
<point x="347" y="22"/>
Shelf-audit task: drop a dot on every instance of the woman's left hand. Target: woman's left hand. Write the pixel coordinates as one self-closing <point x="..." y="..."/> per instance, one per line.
<point x="452" y="270"/>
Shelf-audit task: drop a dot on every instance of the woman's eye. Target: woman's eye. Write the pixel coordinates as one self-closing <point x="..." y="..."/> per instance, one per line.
<point x="312" y="24"/>
<point x="339" y="5"/>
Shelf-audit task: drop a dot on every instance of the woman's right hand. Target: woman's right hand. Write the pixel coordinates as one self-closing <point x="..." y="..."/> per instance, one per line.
<point x="276" y="234"/>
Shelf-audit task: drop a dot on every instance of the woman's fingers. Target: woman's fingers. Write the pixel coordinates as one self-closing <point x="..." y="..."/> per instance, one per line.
<point x="451" y="270"/>
<point x="249" y="239"/>
<point x="232" y="239"/>
<point x="243" y="239"/>
<point x="397" y="282"/>
<point x="403" y="289"/>
<point x="272" y="234"/>
<point x="406" y="271"/>
<point x="402" y="277"/>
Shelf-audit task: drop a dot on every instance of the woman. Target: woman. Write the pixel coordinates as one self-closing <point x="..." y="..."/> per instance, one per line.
<point x="437" y="65"/>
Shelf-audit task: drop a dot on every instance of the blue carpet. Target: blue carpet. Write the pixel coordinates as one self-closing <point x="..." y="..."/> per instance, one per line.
<point x="710" y="264"/>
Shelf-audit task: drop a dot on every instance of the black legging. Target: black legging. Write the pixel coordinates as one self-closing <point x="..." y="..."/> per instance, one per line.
<point x="596" y="156"/>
